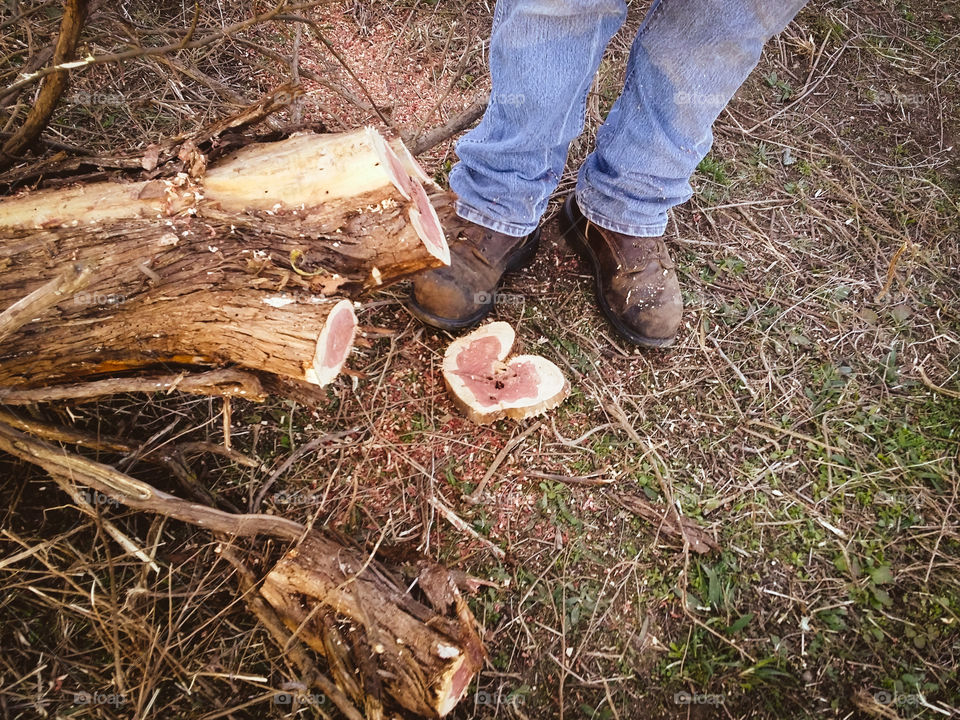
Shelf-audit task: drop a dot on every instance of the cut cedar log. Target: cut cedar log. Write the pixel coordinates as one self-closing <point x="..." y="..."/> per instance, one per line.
<point x="486" y="386"/>
<point x="247" y="266"/>
<point x="376" y="637"/>
<point x="241" y="263"/>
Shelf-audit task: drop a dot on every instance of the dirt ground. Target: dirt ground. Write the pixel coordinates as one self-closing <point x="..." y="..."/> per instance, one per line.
<point x="808" y="417"/>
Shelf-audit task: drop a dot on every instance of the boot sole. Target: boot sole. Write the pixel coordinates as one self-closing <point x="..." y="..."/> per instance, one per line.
<point x="518" y="259"/>
<point x="570" y="230"/>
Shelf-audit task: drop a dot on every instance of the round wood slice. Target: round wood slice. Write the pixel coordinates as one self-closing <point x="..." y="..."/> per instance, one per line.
<point x="487" y="386"/>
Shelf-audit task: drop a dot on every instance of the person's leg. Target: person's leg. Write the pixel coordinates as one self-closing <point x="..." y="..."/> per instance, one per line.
<point x="543" y="57"/>
<point x="686" y="63"/>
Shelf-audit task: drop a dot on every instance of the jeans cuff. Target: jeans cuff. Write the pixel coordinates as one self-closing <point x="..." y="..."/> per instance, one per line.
<point x="653" y="229"/>
<point x="475" y="216"/>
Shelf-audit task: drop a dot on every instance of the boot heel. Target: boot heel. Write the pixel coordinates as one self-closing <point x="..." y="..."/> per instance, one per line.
<point x="525" y="253"/>
<point x="571" y="234"/>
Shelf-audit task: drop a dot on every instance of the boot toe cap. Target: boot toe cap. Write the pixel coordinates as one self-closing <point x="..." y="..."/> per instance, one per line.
<point x="442" y="296"/>
<point x="649" y="311"/>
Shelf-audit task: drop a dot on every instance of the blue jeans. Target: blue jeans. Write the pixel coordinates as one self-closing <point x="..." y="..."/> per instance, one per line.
<point x="687" y="61"/>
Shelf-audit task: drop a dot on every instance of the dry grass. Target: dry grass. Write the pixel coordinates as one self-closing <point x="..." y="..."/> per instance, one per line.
<point x="808" y="418"/>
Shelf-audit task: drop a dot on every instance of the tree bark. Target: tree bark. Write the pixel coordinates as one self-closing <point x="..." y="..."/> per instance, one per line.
<point x="239" y="264"/>
<point x="375" y="636"/>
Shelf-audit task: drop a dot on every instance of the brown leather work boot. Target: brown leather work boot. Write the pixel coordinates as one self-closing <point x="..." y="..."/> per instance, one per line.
<point x="462" y="293"/>
<point x="634" y="277"/>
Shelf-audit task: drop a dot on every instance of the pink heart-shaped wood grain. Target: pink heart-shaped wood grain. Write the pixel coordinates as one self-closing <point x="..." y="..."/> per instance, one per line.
<point x="486" y="386"/>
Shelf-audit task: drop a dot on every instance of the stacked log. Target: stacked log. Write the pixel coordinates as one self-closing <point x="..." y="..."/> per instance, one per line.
<point x="228" y="280"/>
<point x="248" y="263"/>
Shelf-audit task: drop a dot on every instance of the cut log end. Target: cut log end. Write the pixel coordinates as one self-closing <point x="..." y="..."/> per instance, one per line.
<point x="408" y="178"/>
<point x="454" y="683"/>
<point x="411" y="165"/>
<point x="423" y="218"/>
<point x="486" y="387"/>
<point x="390" y="162"/>
<point x="352" y="609"/>
<point x="333" y="344"/>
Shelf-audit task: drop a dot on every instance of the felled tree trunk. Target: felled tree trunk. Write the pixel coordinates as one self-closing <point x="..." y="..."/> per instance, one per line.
<point x="242" y="263"/>
<point x="422" y="654"/>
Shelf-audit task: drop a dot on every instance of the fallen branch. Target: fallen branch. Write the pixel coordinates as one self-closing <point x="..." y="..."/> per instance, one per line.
<point x="688" y="530"/>
<point x="54" y="83"/>
<point x="422" y="655"/>
<point x="377" y="638"/>
<point x="138" y="494"/>
<point x="457" y="124"/>
<point x="451" y="517"/>
<point x="221" y="383"/>
<point x="312" y="677"/>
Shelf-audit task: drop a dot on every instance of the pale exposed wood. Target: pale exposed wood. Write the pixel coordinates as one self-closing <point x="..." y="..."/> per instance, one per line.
<point x="551" y="387"/>
<point x="330" y="190"/>
<point x="423" y="655"/>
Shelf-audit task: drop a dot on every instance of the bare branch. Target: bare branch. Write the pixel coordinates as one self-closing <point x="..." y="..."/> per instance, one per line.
<point x="430" y="139"/>
<point x="215" y="382"/>
<point x="74" y="14"/>
<point x="138" y="494"/>
<point x="43" y="298"/>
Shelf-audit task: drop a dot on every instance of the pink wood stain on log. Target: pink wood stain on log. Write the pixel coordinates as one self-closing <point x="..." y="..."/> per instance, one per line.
<point x="422" y="215"/>
<point x="518" y="381"/>
<point x="433" y="232"/>
<point x="461" y="678"/>
<point x="341" y="325"/>
<point x="400" y="177"/>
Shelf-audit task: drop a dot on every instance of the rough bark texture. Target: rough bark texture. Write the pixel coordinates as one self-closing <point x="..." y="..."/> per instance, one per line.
<point x="377" y="638"/>
<point x="234" y="266"/>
